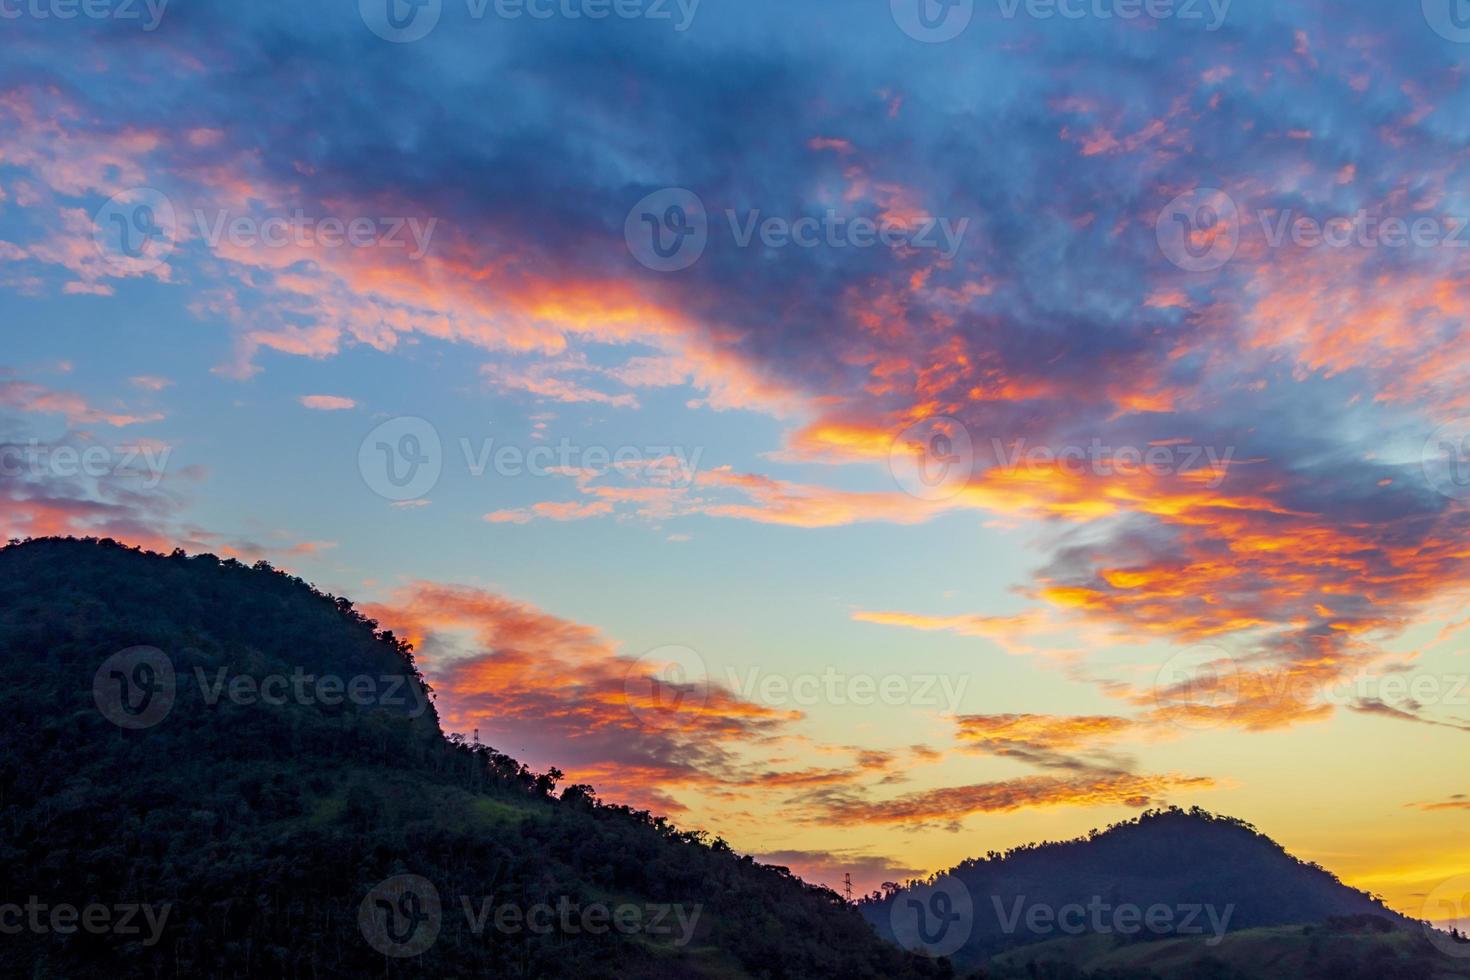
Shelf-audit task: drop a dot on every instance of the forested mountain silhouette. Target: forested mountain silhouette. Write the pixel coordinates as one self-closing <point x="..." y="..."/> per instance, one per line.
<point x="159" y="754"/>
<point x="1204" y="876"/>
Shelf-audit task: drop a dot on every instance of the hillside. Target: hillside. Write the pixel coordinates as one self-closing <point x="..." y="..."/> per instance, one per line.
<point x="181" y="774"/>
<point x="1338" y="951"/>
<point x="1205" y="879"/>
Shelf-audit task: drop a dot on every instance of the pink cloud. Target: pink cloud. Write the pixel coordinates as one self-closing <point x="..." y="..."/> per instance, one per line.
<point x="327" y="403"/>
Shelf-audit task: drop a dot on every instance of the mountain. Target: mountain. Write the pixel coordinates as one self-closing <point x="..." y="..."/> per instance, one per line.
<point x="1169" y="885"/>
<point x="1339" y="950"/>
<point x="214" y="770"/>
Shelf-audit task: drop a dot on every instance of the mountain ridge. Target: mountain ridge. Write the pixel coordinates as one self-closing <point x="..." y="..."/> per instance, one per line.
<point x="161" y="757"/>
<point x="175" y="761"/>
<point x="1166" y="873"/>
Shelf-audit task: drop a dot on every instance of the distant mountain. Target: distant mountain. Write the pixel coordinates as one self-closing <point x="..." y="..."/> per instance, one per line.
<point x="1167" y="874"/>
<point x="1354" y="949"/>
<point x="214" y="770"/>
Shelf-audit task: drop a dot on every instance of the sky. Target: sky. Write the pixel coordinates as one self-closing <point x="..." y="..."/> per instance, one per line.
<point x="874" y="433"/>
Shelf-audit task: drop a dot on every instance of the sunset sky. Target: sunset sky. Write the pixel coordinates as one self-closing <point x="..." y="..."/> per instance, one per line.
<point x="876" y="435"/>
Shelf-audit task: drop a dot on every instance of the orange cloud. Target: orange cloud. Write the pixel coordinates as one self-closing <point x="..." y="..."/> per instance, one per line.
<point x="327" y="403"/>
<point x="1002" y="732"/>
<point x="24" y="396"/>
<point x="558" y="693"/>
<point x="950" y="805"/>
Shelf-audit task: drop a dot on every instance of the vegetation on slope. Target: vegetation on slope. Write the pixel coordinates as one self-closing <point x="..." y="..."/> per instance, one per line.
<point x="1207" y="875"/>
<point x="255" y="834"/>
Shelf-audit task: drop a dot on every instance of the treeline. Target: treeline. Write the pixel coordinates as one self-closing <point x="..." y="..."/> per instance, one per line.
<point x="263" y="827"/>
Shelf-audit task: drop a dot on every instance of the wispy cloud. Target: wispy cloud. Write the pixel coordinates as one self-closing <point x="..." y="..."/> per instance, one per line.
<point x="328" y="403"/>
